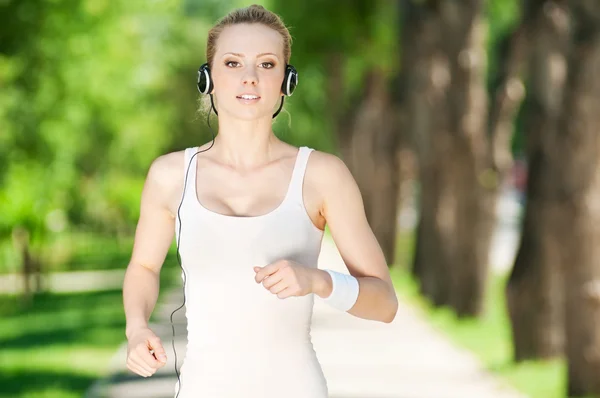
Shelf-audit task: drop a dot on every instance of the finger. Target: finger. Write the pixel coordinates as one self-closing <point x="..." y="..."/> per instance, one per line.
<point x="135" y="368"/>
<point x="263" y="272"/>
<point x="285" y="293"/>
<point x="267" y="270"/>
<point x="138" y="370"/>
<point x="272" y="280"/>
<point x="136" y="360"/>
<point x="144" y="357"/>
<point x="278" y="287"/>
<point x="159" y="351"/>
<point x="159" y="363"/>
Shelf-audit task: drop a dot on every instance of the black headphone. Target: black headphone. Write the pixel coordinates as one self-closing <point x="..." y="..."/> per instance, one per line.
<point x="205" y="83"/>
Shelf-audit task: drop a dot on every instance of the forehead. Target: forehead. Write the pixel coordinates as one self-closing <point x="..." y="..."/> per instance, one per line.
<point x="249" y="39"/>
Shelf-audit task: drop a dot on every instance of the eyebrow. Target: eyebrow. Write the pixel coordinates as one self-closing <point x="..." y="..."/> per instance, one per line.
<point x="242" y="55"/>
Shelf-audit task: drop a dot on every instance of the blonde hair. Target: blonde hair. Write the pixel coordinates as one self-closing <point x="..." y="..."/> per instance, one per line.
<point x="250" y="15"/>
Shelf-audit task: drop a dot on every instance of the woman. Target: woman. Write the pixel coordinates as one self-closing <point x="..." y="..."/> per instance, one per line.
<point x="249" y="216"/>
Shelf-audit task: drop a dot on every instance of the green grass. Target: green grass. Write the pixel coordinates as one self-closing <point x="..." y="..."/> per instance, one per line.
<point x="62" y="343"/>
<point x="489" y="338"/>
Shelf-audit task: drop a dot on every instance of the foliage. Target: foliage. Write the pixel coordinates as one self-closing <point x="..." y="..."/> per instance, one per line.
<point x="93" y="91"/>
<point x="362" y="34"/>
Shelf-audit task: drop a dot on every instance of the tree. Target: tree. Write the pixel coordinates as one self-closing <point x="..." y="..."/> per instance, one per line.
<point x="576" y="169"/>
<point x="534" y="289"/>
<point x="461" y="152"/>
<point x="419" y="40"/>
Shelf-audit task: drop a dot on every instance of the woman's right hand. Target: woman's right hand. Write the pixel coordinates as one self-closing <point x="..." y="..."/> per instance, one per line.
<point x="140" y="360"/>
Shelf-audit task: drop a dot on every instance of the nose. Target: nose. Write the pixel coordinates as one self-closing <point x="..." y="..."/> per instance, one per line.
<point x="250" y="77"/>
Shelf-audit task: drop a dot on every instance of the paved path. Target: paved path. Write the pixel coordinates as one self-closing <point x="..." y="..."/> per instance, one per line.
<point x="361" y="359"/>
<point x="68" y="281"/>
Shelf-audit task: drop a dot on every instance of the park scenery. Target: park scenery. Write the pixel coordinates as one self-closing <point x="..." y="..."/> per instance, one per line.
<point x="472" y="128"/>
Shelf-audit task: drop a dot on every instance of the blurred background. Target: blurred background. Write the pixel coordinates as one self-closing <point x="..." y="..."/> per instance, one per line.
<point x="471" y="127"/>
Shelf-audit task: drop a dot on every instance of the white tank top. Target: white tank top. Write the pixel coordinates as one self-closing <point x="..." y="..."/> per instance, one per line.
<point x="244" y="341"/>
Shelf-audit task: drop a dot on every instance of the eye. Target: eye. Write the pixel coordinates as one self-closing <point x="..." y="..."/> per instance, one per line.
<point x="270" y="65"/>
<point x="231" y="62"/>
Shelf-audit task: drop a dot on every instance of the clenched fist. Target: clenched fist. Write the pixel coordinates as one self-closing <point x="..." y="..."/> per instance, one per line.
<point x="287" y="278"/>
<point x="145" y="353"/>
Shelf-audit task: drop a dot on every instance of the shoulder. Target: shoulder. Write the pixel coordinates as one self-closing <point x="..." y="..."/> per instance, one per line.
<point x="327" y="169"/>
<point x="165" y="168"/>
<point x="164" y="180"/>
<point x="329" y="175"/>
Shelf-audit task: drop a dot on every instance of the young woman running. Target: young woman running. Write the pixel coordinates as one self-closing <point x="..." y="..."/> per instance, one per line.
<point x="248" y="216"/>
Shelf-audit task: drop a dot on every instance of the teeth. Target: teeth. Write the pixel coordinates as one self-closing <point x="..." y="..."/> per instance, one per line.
<point x="249" y="96"/>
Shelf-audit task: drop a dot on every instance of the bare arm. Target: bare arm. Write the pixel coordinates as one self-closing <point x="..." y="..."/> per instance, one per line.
<point x="345" y="214"/>
<point x="153" y="237"/>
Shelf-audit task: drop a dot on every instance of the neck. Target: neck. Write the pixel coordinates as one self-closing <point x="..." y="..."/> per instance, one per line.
<point x="245" y="144"/>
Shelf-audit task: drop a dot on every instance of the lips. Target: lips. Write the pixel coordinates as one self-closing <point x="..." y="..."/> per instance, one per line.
<point x="248" y="96"/>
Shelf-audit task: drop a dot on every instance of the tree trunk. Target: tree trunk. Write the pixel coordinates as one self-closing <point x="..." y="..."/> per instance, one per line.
<point x="368" y="139"/>
<point x="577" y="173"/>
<point x="534" y="290"/>
<point x="420" y="93"/>
<point x="462" y="156"/>
<point x="457" y="186"/>
<point x="475" y="195"/>
<point x="30" y="265"/>
<point x="372" y="157"/>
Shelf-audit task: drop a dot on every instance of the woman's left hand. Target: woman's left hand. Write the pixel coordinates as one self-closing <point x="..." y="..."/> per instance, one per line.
<point x="287" y="278"/>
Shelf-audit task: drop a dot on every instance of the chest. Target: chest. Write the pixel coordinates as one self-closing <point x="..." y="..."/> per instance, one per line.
<point x="242" y="194"/>
<point x="253" y="194"/>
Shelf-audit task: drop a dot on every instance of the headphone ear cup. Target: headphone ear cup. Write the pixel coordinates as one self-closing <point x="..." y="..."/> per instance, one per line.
<point x="205" y="84"/>
<point x="290" y="80"/>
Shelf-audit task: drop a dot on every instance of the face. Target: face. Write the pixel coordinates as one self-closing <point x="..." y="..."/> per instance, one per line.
<point x="248" y="63"/>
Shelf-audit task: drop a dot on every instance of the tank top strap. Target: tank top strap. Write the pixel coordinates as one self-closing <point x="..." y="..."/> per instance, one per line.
<point x="295" y="190"/>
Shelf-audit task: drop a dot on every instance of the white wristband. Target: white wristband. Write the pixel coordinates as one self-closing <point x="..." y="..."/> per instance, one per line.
<point x="345" y="291"/>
